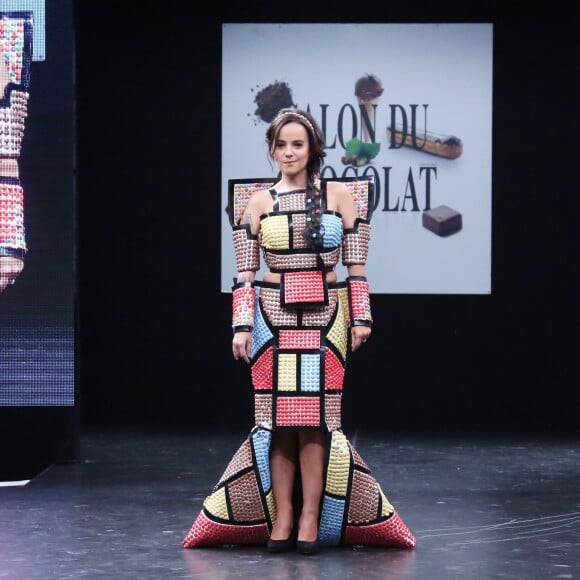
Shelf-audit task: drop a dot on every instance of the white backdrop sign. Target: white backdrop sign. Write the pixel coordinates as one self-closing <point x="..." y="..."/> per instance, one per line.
<point x="409" y="104"/>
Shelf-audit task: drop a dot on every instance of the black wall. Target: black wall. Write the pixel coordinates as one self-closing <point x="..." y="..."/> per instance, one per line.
<point x="153" y="326"/>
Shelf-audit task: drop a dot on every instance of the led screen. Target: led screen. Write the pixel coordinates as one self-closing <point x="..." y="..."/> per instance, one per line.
<point x="37" y="204"/>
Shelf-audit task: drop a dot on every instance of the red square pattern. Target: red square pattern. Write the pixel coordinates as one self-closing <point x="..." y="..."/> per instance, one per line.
<point x="301" y="287"/>
<point x="299" y="339"/>
<point x="262" y="370"/>
<point x="333" y="371"/>
<point x="298" y="411"/>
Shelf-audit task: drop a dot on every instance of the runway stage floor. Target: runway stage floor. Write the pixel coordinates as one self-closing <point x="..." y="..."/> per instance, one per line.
<point x="479" y="508"/>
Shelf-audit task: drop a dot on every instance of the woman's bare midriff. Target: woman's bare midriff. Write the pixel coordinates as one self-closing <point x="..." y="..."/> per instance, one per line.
<point x="275" y="278"/>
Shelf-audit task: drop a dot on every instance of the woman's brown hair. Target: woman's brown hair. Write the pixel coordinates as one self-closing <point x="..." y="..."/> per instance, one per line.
<point x="314" y="231"/>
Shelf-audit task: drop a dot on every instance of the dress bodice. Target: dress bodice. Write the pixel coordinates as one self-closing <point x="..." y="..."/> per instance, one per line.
<point x="282" y="234"/>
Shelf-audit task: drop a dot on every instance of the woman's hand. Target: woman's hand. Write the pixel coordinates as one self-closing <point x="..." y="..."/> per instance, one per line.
<point x="359" y="335"/>
<point x="10" y="269"/>
<point x="242" y="345"/>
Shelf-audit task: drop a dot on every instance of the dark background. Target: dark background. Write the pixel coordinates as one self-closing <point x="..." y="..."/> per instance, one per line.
<point x="154" y="340"/>
<point x="154" y="327"/>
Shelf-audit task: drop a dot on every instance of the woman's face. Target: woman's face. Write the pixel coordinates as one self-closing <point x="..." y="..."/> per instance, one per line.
<point x="291" y="149"/>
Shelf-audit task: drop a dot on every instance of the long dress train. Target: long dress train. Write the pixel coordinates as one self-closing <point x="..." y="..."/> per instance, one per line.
<point x="241" y="509"/>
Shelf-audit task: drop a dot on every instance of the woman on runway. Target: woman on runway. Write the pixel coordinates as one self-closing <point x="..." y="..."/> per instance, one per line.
<point x="296" y="328"/>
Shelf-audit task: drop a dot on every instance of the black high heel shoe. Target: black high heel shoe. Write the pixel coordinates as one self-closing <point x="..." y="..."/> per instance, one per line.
<point x="280" y="546"/>
<point x="307" y="548"/>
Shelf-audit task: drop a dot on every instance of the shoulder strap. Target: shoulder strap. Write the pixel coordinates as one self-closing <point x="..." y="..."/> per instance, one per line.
<point x="275" y="199"/>
<point x="239" y="193"/>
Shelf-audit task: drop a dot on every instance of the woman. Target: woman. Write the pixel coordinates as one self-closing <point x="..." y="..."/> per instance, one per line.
<point x="294" y="328"/>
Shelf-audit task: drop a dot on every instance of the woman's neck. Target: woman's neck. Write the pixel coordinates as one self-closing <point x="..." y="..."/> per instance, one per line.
<point x="290" y="183"/>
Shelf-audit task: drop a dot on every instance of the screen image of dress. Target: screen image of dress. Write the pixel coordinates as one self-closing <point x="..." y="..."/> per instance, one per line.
<point x="37" y="205"/>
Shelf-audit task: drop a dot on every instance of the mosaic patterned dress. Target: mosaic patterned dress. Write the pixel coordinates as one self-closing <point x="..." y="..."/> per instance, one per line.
<point x="300" y="342"/>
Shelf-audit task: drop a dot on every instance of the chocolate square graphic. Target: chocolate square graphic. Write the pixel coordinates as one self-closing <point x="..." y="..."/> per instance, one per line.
<point x="442" y="220"/>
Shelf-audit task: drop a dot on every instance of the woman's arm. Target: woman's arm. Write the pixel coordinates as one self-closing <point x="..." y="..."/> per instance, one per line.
<point x="358" y="288"/>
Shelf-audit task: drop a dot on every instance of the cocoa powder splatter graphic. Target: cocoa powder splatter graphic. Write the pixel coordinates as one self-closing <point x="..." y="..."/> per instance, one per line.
<point x="271" y="99"/>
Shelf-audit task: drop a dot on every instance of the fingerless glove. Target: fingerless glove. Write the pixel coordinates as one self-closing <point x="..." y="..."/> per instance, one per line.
<point x="359" y="302"/>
